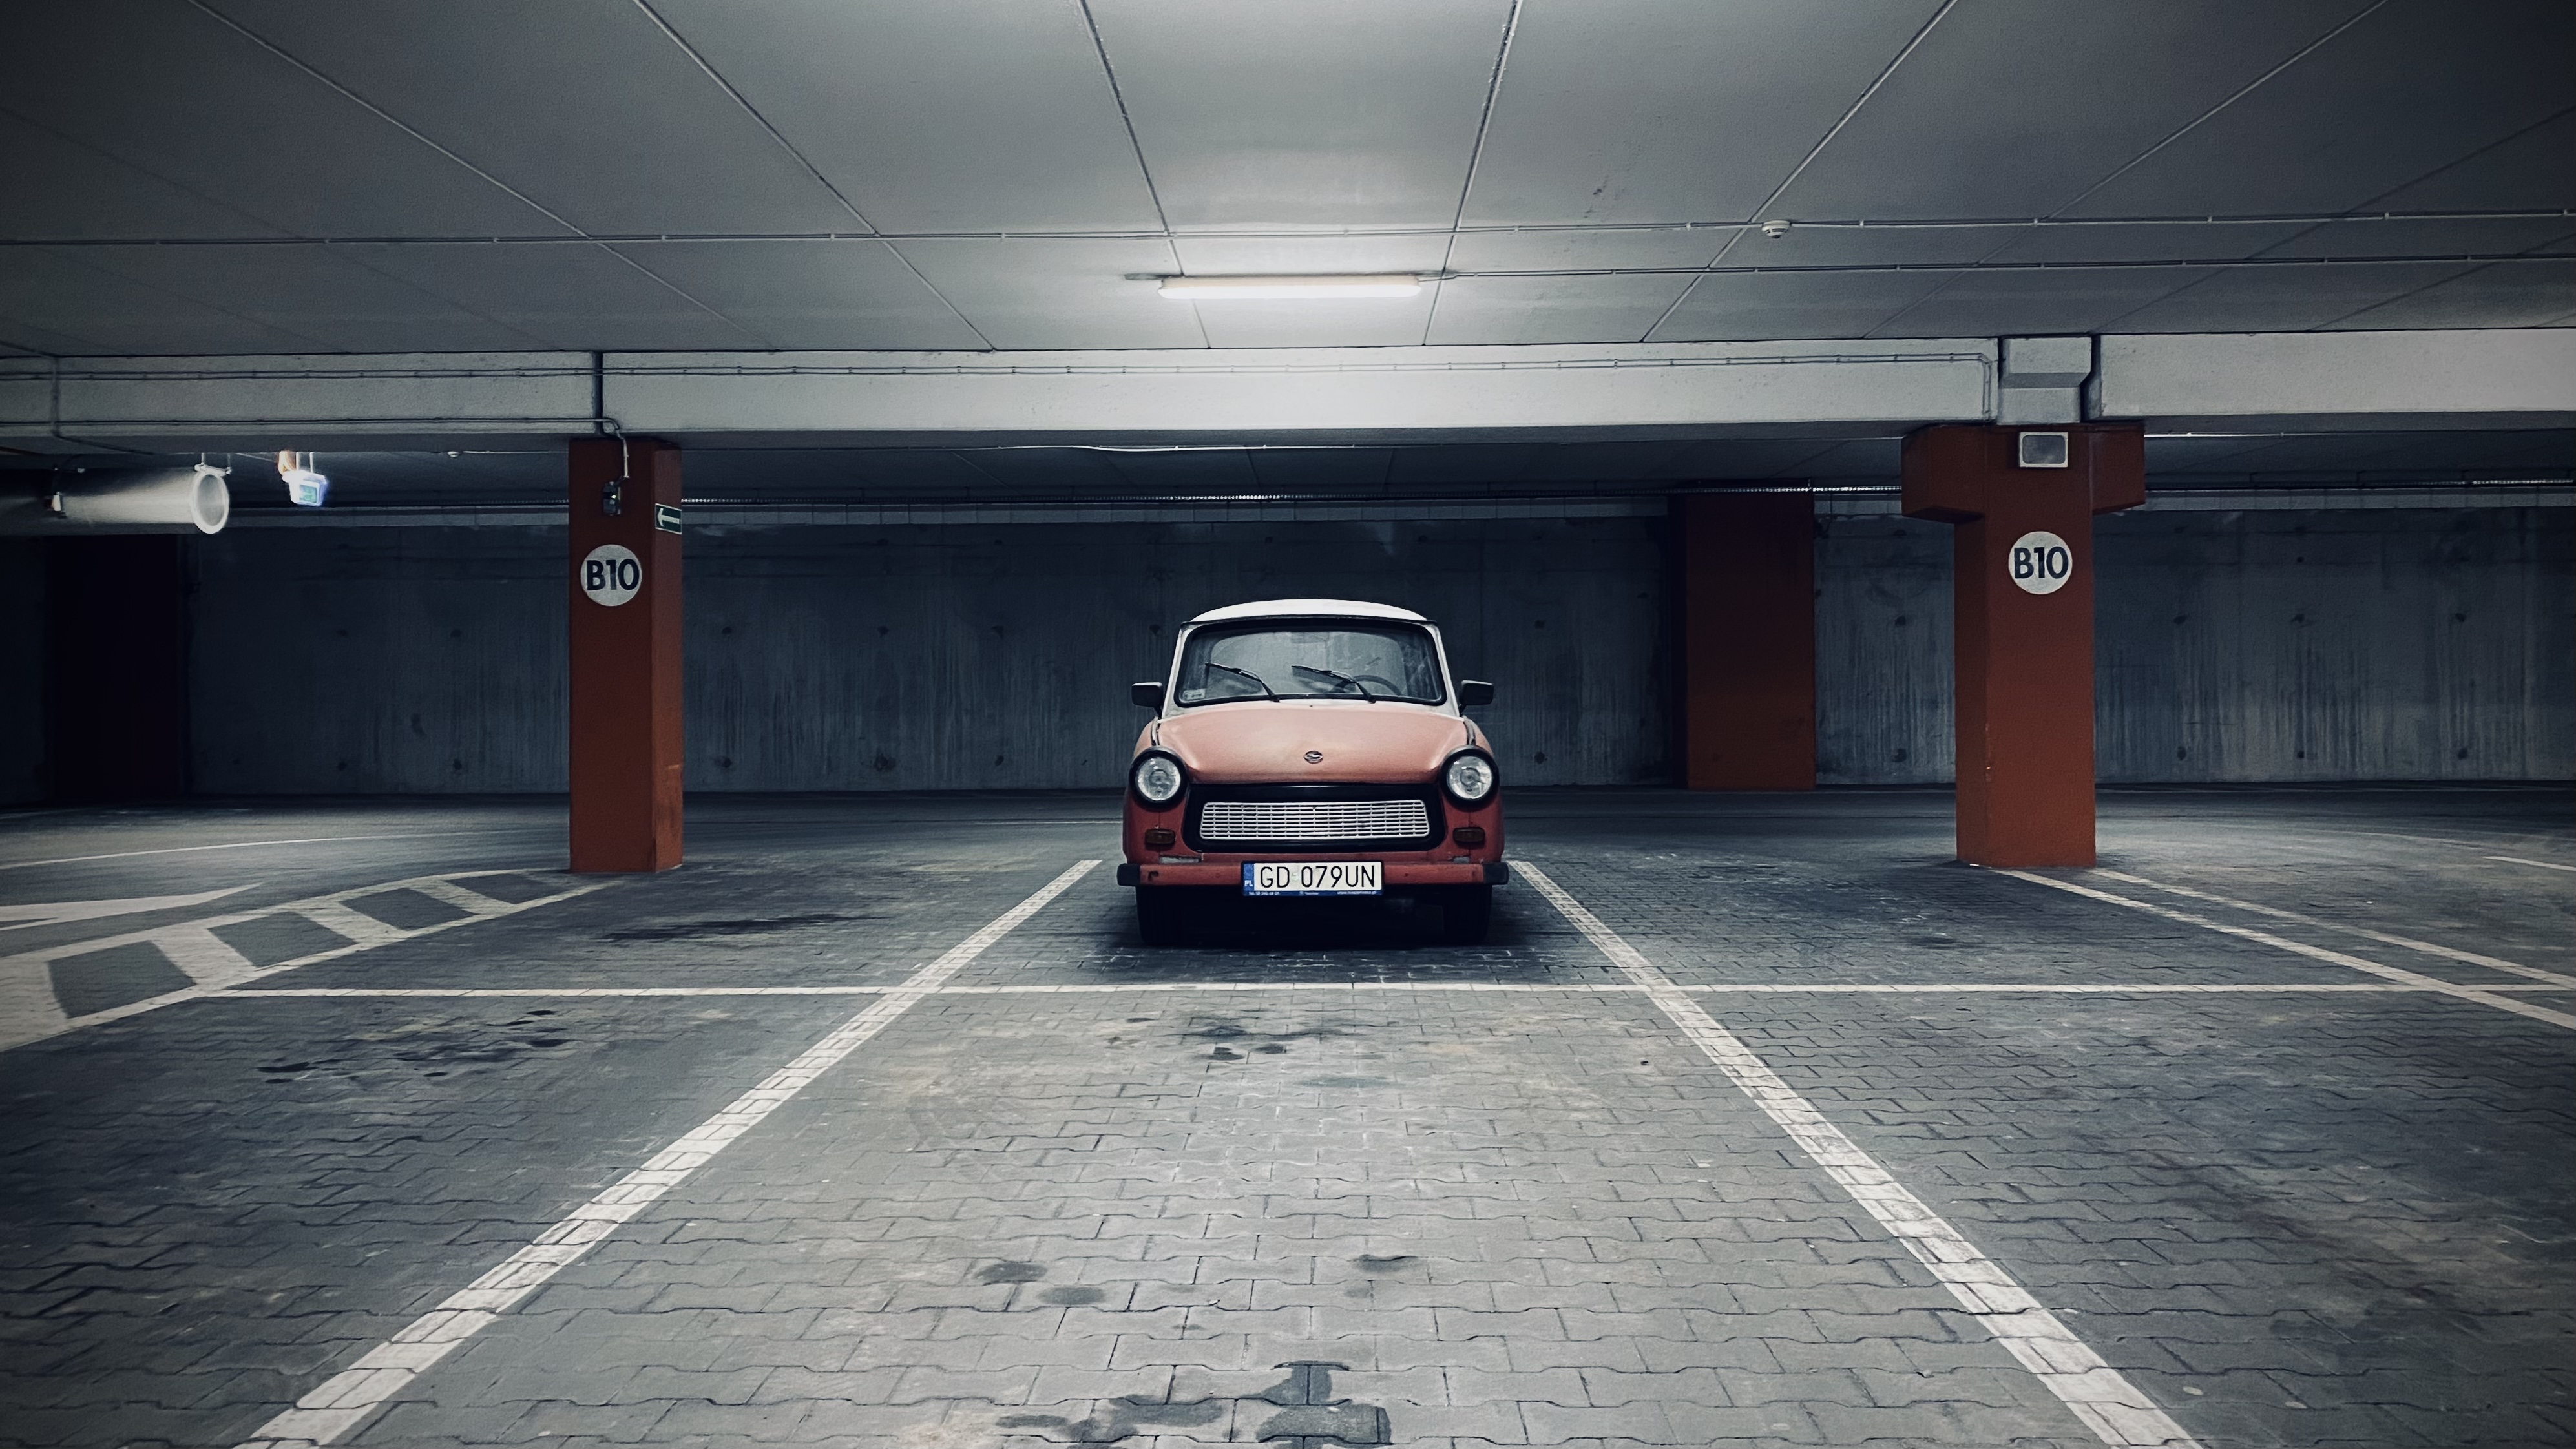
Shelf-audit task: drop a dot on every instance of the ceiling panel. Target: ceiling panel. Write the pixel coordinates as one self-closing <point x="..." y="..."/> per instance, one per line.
<point x="1864" y="246"/>
<point x="45" y="291"/>
<point x="1464" y="463"/>
<point x="2281" y="298"/>
<point x="1758" y="305"/>
<point x="61" y="189"/>
<point x="1744" y="458"/>
<point x="2415" y="87"/>
<point x="1223" y="472"/>
<point x="2535" y="293"/>
<point x="1505" y="251"/>
<point x="164" y="87"/>
<point x="576" y="296"/>
<point x="2036" y="303"/>
<point x="828" y="295"/>
<point x="2533" y="168"/>
<point x="967" y="115"/>
<point x="1023" y="293"/>
<point x="1324" y="113"/>
<point x="585" y="106"/>
<point x="2425" y="237"/>
<point x="1052" y="471"/>
<point x="1854" y="461"/>
<point x="2014" y="107"/>
<point x="2145" y="242"/>
<point x="1330" y="470"/>
<point x="1553" y="309"/>
<point x="316" y="292"/>
<point x="1673" y="110"/>
<point x="1356" y="322"/>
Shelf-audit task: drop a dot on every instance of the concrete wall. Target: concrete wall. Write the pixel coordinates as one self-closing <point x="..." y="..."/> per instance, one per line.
<point x="921" y="657"/>
<point x="2253" y="646"/>
<point x="2233" y="646"/>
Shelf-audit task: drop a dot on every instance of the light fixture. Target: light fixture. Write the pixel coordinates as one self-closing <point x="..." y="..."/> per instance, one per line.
<point x="305" y="488"/>
<point x="1289" y="289"/>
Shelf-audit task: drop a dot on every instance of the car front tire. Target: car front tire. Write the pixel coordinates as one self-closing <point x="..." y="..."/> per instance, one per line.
<point x="1465" y="913"/>
<point x="1159" y="915"/>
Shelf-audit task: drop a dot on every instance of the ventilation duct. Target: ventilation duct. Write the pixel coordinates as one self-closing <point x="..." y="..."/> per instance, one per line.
<point x="166" y="500"/>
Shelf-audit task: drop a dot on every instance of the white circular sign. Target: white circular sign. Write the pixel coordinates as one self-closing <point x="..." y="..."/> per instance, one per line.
<point x="610" y="574"/>
<point x="2040" y="563"/>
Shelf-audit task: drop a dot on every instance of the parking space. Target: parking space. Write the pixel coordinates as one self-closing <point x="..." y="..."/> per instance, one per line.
<point x="1754" y="1121"/>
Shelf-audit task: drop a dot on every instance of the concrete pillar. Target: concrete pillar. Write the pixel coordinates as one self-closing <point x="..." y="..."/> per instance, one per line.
<point x="625" y="603"/>
<point x="2023" y="501"/>
<point x="1748" y="640"/>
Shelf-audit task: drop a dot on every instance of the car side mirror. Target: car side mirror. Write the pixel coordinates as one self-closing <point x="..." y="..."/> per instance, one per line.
<point x="1474" y="692"/>
<point x="1148" y="694"/>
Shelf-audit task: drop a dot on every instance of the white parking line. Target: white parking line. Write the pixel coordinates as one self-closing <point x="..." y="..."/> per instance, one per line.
<point x="348" y="1398"/>
<point x="2429" y="948"/>
<point x="2543" y="864"/>
<point x="2117" y="1411"/>
<point x="1802" y="988"/>
<point x="2358" y="963"/>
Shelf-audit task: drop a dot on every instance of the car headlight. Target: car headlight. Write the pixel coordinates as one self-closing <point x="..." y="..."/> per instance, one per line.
<point x="1157" y="779"/>
<point x="1469" y="778"/>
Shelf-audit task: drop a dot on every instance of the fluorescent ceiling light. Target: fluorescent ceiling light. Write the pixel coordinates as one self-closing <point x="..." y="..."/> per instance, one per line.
<point x="1289" y="289"/>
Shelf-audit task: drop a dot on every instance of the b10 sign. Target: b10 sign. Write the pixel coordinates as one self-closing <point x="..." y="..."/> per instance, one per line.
<point x="2040" y="563"/>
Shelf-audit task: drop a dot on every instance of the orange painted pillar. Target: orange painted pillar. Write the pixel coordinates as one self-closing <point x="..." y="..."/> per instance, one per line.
<point x="2023" y="555"/>
<point x="1748" y="640"/>
<point x="625" y="602"/>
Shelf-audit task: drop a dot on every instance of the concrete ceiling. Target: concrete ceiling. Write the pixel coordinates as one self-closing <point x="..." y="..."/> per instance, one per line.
<point x="297" y="176"/>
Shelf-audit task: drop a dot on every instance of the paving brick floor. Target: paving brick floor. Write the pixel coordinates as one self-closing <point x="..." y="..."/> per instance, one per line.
<point x="1316" y="1179"/>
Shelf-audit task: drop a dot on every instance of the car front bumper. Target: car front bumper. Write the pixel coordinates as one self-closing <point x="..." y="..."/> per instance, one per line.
<point x="1229" y="873"/>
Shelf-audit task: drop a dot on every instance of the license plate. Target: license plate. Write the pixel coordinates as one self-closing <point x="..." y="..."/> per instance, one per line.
<point x="1314" y="878"/>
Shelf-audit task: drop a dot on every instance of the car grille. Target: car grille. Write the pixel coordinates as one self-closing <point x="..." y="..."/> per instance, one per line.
<point x="1317" y="820"/>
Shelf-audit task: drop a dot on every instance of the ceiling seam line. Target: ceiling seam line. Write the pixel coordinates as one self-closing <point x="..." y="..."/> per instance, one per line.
<point x="2472" y="156"/>
<point x="1475" y="158"/>
<point x="221" y="311"/>
<point x="752" y="111"/>
<point x="1189" y="233"/>
<point x="1886" y="73"/>
<point x="933" y="287"/>
<point x="2247" y="89"/>
<point x="2334" y="322"/>
<point x="684" y="295"/>
<point x="380" y="113"/>
<point x="1144" y="169"/>
<point x="174" y="184"/>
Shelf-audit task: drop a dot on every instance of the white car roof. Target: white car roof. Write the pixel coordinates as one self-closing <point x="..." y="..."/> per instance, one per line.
<point x="1308" y="609"/>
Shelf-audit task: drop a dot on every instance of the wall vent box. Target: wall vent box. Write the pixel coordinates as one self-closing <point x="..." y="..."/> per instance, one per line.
<point x="2043" y="450"/>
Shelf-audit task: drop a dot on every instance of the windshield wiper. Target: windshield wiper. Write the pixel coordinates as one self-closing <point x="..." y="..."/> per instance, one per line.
<point x="1255" y="678"/>
<point x="1336" y="678"/>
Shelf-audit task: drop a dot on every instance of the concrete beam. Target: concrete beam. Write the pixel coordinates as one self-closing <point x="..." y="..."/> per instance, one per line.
<point x="1423" y="394"/>
<point x="2326" y="381"/>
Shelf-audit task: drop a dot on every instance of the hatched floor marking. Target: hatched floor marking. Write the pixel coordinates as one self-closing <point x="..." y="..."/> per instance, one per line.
<point x="2485" y="996"/>
<point x="2117" y="1411"/>
<point x="349" y="1398"/>
<point x="30" y="1010"/>
<point x="2429" y="948"/>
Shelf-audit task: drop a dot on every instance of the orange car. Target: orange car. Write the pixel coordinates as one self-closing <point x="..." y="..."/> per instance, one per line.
<point x="1312" y="747"/>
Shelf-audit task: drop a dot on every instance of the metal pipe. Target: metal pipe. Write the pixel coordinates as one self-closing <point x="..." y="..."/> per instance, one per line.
<point x="164" y="500"/>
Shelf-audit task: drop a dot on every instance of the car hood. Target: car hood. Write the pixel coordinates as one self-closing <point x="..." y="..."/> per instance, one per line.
<point x="1258" y="742"/>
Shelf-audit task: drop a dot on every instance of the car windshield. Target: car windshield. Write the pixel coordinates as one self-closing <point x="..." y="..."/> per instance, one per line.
<point x="1309" y="660"/>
